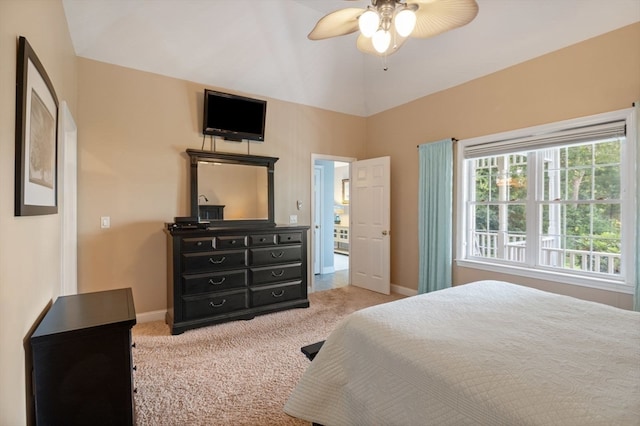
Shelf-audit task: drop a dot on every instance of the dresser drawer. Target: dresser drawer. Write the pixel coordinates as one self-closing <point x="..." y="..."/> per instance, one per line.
<point x="267" y="295"/>
<point x="205" y="283"/>
<point x="289" y="237"/>
<point x="214" y="305"/>
<point x="275" y="255"/>
<point x="214" y="261"/>
<point x="197" y="244"/>
<point x="272" y="274"/>
<point x="230" y="242"/>
<point x="262" y="240"/>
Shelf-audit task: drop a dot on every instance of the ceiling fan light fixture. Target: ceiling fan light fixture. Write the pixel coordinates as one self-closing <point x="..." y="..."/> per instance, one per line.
<point x="405" y="21"/>
<point x="381" y="40"/>
<point x="385" y="25"/>
<point x="369" y="22"/>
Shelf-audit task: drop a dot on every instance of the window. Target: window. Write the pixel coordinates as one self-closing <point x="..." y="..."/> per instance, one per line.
<point x="554" y="202"/>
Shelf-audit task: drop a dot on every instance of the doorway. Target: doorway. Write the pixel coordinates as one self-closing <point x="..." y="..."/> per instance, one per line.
<point x="330" y="222"/>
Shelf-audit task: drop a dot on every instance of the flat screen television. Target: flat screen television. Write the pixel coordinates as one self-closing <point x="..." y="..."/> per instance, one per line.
<point x="233" y="117"/>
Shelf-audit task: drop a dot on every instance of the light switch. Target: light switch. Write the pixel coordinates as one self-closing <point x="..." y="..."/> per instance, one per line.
<point x="105" y="222"/>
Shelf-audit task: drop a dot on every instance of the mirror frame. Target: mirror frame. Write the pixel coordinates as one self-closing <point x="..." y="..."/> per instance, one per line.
<point x="196" y="156"/>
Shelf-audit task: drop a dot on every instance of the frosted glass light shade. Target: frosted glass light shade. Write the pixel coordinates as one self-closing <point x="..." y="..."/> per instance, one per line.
<point x="368" y="23"/>
<point x="405" y="22"/>
<point x="381" y="40"/>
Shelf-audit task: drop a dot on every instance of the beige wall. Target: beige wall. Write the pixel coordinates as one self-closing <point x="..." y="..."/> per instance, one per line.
<point x="133" y="130"/>
<point x="29" y="246"/>
<point x="135" y="126"/>
<point x="598" y="75"/>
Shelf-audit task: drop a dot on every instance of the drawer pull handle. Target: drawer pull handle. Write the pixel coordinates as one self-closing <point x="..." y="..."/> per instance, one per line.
<point x="279" y="294"/>
<point x="216" y="262"/>
<point x="262" y="240"/>
<point x="199" y="243"/>
<point x="212" y="282"/>
<point x="277" y="274"/>
<point x="232" y="242"/>
<point x="277" y="255"/>
<point x="214" y="305"/>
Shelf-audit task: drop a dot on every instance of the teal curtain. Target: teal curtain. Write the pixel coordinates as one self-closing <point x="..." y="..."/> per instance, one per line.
<point x="435" y="215"/>
<point x="636" y="298"/>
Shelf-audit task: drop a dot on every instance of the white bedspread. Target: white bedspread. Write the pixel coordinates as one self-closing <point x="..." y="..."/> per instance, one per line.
<point x="487" y="353"/>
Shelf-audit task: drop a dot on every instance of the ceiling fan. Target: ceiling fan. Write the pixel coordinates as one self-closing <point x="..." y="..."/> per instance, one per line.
<point x="386" y="24"/>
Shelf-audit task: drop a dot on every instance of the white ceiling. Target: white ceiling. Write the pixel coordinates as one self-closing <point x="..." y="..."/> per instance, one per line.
<point x="260" y="47"/>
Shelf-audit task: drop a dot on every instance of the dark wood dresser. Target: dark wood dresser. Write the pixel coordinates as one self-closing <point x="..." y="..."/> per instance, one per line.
<point x="81" y="351"/>
<point x="224" y="274"/>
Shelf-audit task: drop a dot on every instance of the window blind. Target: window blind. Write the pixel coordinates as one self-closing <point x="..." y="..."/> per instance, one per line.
<point x="613" y="129"/>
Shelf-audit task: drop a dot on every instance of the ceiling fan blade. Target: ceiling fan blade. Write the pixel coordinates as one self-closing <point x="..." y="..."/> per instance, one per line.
<point x="437" y="16"/>
<point x="340" y="22"/>
<point x="365" y="45"/>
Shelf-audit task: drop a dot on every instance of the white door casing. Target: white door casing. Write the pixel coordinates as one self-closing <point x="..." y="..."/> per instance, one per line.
<point x="68" y="200"/>
<point x="370" y="221"/>
<point x="317" y="219"/>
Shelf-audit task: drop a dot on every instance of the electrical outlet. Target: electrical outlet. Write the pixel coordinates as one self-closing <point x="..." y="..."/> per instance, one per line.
<point x="293" y="218"/>
<point x="105" y="222"/>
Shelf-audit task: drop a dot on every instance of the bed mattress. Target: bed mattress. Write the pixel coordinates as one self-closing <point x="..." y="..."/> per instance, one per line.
<point x="485" y="353"/>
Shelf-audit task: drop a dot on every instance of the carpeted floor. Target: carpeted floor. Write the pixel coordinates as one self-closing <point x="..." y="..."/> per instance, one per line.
<point x="237" y="373"/>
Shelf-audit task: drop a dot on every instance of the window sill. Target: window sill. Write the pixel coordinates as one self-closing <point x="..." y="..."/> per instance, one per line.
<point x="553" y="276"/>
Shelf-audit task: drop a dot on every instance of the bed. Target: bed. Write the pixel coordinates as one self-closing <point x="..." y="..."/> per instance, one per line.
<point x="485" y="353"/>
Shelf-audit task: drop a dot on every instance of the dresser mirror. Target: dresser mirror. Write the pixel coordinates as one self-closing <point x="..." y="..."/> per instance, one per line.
<point x="231" y="189"/>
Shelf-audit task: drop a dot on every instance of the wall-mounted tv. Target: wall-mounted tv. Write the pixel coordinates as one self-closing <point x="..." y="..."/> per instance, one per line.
<point x="233" y="117"/>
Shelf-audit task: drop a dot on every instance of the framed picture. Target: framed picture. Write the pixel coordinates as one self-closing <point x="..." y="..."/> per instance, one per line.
<point x="36" y="174"/>
<point x="345" y="191"/>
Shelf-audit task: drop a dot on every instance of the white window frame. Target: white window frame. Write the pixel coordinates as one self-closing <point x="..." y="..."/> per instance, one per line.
<point x="625" y="283"/>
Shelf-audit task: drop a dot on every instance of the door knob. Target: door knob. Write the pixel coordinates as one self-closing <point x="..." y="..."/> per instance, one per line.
<point x="385" y="232"/>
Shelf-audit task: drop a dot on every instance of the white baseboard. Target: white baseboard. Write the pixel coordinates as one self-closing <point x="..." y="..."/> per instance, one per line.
<point x="403" y="290"/>
<point x="151" y="316"/>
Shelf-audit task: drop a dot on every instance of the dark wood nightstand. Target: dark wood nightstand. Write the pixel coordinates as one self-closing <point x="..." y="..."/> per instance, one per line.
<point x="82" y="370"/>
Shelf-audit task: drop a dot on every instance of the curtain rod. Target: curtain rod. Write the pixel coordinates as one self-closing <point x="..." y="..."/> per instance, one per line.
<point x="452" y="140"/>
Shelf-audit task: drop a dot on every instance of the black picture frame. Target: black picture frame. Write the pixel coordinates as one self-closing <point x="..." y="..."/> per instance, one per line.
<point x="36" y="168"/>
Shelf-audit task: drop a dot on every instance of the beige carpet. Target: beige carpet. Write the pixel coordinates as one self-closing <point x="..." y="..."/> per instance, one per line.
<point x="237" y="373"/>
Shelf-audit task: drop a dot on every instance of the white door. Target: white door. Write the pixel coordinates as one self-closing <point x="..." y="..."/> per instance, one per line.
<point x="317" y="218"/>
<point x="370" y="220"/>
